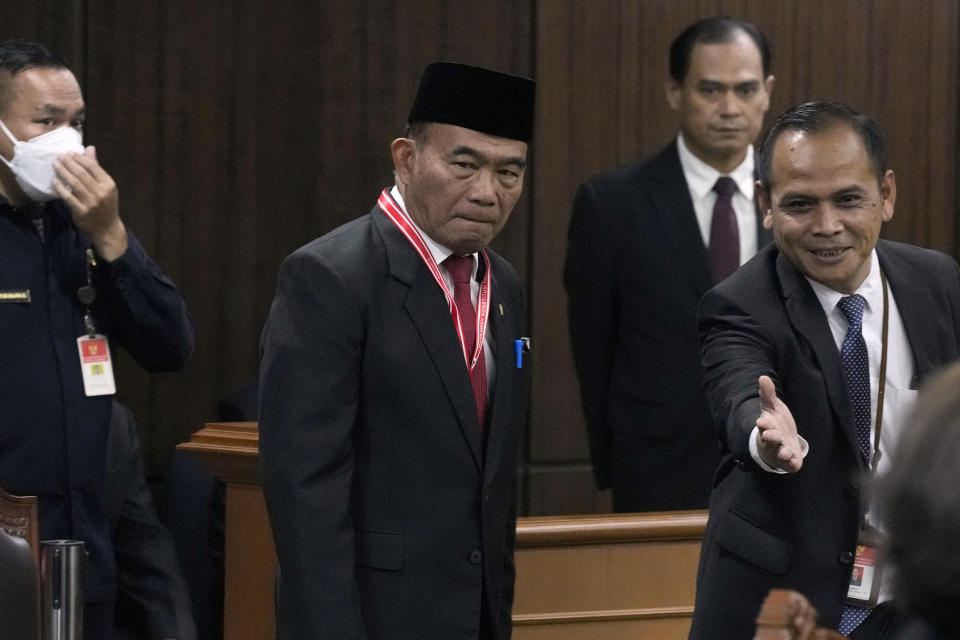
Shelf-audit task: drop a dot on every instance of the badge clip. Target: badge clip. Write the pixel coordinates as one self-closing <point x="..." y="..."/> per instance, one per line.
<point x="864" y="588"/>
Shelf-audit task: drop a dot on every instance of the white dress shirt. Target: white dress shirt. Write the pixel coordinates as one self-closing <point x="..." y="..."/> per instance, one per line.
<point x="700" y="180"/>
<point x="898" y="396"/>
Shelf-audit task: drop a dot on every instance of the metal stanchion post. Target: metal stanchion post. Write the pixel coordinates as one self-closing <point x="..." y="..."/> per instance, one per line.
<point x="63" y="566"/>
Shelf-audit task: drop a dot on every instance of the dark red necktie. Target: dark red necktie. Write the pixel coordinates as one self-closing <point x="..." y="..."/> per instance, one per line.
<point x="460" y="269"/>
<point x="724" y="235"/>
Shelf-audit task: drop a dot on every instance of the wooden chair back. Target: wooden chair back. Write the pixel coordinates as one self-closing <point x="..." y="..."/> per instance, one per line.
<point x="18" y="517"/>
<point x="788" y="615"/>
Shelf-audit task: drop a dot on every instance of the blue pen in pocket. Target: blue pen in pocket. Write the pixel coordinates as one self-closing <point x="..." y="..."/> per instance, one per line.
<point x="519" y="346"/>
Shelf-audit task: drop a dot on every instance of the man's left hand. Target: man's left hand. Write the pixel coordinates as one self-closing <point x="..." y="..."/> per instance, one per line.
<point x="92" y="196"/>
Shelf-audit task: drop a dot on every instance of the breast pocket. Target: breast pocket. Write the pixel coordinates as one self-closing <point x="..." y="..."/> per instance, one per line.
<point x="898" y="402"/>
<point x="379" y="549"/>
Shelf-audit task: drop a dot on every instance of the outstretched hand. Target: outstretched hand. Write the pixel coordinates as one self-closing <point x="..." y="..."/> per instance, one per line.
<point x="777" y="440"/>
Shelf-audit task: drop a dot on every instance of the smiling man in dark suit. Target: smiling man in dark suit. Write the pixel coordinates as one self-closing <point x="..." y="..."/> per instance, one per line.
<point x="391" y="399"/>
<point x="836" y="328"/>
<point x="646" y="242"/>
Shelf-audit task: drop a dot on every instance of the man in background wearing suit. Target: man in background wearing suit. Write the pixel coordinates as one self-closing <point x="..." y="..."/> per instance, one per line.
<point x="836" y="328"/>
<point x="391" y="397"/>
<point x="646" y="242"/>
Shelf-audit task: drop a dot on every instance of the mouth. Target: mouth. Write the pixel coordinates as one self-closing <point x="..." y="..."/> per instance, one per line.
<point x="474" y="219"/>
<point x="829" y="254"/>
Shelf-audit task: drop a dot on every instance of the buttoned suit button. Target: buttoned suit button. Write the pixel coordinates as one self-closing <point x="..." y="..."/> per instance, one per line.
<point x="476" y="556"/>
<point x="852" y="490"/>
<point x="846" y="557"/>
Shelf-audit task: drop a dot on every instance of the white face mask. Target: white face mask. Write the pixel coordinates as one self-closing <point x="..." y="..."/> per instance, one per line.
<point x="33" y="159"/>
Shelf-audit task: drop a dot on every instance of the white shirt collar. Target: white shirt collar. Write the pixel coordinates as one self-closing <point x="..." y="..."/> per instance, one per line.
<point x="871" y="289"/>
<point x="701" y="177"/>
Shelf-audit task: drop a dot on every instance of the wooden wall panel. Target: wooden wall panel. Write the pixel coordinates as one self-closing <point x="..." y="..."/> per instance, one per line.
<point x="238" y="131"/>
<point x="602" y="68"/>
<point x="59" y="23"/>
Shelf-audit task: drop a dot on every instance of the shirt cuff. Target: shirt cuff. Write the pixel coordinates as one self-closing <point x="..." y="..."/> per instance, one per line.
<point x="132" y="262"/>
<point x="755" y="452"/>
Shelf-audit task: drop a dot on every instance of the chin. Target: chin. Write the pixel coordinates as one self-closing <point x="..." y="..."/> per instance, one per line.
<point x="470" y="248"/>
<point x="835" y="282"/>
<point x="470" y="244"/>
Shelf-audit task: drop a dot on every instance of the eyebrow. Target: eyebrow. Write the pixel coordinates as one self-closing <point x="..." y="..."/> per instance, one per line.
<point x="464" y="150"/>
<point x="706" y="82"/>
<point x="854" y="188"/>
<point x="54" y="110"/>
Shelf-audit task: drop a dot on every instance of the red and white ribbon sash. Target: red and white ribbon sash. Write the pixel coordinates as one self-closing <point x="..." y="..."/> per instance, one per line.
<point x="403" y="222"/>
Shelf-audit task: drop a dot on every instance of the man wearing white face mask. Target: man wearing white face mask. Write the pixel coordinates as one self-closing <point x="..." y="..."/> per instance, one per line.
<point x="74" y="284"/>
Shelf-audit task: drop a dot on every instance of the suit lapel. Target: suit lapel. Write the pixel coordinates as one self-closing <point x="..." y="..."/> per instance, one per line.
<point x="502" y="346"/>
<point x="913" y="302"/>
<point x="430" y="314"/>
<point x="673" y="208"/>
<point x="806" y="316"/>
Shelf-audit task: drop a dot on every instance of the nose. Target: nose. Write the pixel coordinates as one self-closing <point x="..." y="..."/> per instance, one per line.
<point x="730" y="104"/>
<point x="483" y="191"/>
<point x="827" y="221"/>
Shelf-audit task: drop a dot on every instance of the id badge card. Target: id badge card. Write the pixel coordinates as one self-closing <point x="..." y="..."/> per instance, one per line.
<point x="95" y="365"/>
<point x="865" y="578"/>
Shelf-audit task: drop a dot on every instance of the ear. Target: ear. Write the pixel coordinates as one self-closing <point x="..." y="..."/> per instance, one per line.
<point x="674" y="94"/>
<point x="404" y="152"/>
<point x="763" y="201"/>
<point x="888" y="191"/>
<point x="768" y="86"/>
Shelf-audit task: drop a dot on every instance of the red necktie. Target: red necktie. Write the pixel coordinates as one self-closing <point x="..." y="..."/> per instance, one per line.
<point x="724" y="235"/>
<point x="460" y="269"/>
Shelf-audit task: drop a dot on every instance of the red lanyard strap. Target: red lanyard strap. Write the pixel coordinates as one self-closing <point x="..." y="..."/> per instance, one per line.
<point x="399" y="218"/>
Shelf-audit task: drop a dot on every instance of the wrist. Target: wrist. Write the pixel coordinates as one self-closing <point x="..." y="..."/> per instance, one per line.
<point x="756" y="448"/>
<point x="112" y="243"/>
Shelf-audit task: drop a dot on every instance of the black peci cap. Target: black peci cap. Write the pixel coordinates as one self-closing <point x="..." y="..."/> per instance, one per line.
<point x="491" y="102"/>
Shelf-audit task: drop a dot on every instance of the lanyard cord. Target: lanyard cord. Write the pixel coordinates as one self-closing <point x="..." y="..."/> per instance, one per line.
<point x="87" y="294"/>
<point x="881" y="383"/>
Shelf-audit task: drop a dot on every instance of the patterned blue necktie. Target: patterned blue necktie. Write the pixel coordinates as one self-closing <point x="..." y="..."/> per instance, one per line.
<point x="856" y="368"/>
<point x="851" y="618"/>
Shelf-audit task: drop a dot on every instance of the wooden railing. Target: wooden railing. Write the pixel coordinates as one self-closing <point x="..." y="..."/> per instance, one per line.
<point x="607" y="576"/>
<point x="616" y="576"/>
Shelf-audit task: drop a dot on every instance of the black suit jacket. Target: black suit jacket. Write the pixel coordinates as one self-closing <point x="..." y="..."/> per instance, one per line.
<point x="391" y="517"/>
<point x="153" y="600"/>
<point x="636" y="269"/>
<point x="797" y="530"/>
